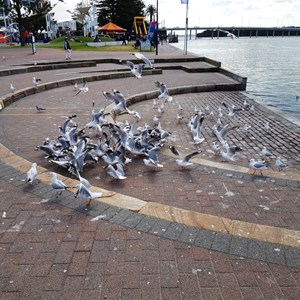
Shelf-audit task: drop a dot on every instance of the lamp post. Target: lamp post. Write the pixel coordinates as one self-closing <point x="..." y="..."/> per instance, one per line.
<point x="186" y="27"/>
<point x="156" y="42"/>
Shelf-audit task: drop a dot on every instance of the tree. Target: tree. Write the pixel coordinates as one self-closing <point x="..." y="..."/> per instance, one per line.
<point x="30" y="17"/>
<point x="120" y="12"/>
<point x="150" y="10"/>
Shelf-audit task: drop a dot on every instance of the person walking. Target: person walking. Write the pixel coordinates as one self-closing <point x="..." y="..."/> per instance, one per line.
<point x="68" y="49"/>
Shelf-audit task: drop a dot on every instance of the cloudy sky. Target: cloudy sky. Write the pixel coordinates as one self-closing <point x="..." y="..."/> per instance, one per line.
<point x="215" y="12"/>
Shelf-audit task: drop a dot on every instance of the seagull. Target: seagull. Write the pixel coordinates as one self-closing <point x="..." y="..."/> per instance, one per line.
<point x="84" y="192"/>
<point x="32" y="173"/>
<point x="179" y="117"/>
<point x="164" y="92"/>
<point x="267" y="127"/>
<point x="257" y="165"/>
<point x="174" y="150"/>
<point x="152" y="160"/>
<point x="149" y="62"/>
<point x="116" y="172"/>
<point x="280" y="164"/>
<point x="265" y="153"/>
<point x="232" y="109"/>
<point x="137" y="72"/>
<point x="12" y="88"/>
<point x="56" y="184"/>
<point x="183" y="162"/>
<point x="247" y="128"/>
<point x="36" y="81"/>
<point x="229" y="153"/>
<point x="40" y="109"/>
<point x="216" y="148"/>
<point x="229" y="34"/>
<point x="221" y="133"/>
<point x="83" y="89"/>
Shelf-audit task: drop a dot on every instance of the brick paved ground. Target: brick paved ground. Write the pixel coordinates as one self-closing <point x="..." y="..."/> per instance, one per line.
<point x="49" y="250"/>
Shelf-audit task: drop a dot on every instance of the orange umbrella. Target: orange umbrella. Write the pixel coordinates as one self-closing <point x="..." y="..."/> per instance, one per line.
<point x="110" y="26"/>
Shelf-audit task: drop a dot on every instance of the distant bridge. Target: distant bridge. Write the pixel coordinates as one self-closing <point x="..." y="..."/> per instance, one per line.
<point x="216" y="32"/>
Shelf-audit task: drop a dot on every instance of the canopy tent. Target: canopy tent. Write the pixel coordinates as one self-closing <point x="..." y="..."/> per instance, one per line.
<point x="111" y="27"/>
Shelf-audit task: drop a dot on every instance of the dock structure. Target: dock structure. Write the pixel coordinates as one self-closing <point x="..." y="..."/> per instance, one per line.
<point x="216" y="32"/>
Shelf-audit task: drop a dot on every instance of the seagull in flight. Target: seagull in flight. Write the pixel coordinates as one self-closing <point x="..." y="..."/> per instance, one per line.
<point x="229" y="34"/>
<point x="164" y="92"/>
<point x="84" y="192"/>
<point x="183" y="161"/>
<point x="149" y="62"/>
<point x="137" y="72"/>
<point x="83" y="89"/>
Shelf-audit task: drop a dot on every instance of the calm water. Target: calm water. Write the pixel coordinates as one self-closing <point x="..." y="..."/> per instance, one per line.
<point x="272" y="65"/>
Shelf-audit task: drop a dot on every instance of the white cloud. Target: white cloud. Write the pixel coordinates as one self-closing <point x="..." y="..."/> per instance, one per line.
<point x="229" y="12"/>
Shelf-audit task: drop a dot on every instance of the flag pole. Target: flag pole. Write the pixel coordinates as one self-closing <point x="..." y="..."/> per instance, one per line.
<point x="186" y="28"/>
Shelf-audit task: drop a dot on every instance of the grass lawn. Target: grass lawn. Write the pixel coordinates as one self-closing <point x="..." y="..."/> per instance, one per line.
<point x="80" y="45"/>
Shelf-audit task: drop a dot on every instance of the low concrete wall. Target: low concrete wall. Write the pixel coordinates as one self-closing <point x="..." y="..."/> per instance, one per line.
<point x="102" y="44"/>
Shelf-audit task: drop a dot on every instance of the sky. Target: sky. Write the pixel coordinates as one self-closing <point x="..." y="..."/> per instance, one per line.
<point x="204" y="13"/>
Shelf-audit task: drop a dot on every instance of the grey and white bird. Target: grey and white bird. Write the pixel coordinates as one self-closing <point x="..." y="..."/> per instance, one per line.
<point x="152" y="160"/>
<point x="179" y="118"/>
<point x="164" y="92"/>
<point x="221" y="133"/>
<point x="216" y="148"/>
<point x="228" y="34"/>
<point x="232" y="109"/>
<point x="247" y="128"/>
<point x="267" y="127"/>
<point x="136" y="71"/>
<point x="257" y="165"/>
<point x="149" y="62"/>
<point x="195" y="126"/>
<point x="82" y="89"/>
<point x="12" y="88"/>
<point x="32" y="173"/>
<point x="39" y="108"/>
<point x="84" y="192"/>
<point x="57" y="184"/>
<point x="229" y="153"/>
<point x="184" y="161"/>
<point x="265" y="153"/>
<point x="280" y="164"/>
<point x="116" y="172"/>
<point x="36" y="81"/>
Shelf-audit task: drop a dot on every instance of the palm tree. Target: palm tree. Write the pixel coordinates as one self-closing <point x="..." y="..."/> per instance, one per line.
<point x="150" y="10"/>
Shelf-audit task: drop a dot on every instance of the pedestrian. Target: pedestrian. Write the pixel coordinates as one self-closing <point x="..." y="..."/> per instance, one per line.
<point x="68" y="49"/>
<point x="32" y="41"/>
<point x="26" y="36"/>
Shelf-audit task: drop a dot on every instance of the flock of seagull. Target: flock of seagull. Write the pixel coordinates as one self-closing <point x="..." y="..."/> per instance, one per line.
<point x="118" y="143"/>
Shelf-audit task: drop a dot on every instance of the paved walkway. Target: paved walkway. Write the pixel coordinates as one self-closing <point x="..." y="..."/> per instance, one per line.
<point x="212" y="232"/>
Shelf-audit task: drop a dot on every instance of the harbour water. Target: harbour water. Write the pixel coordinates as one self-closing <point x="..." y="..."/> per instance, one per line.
<point x="272" y="66"/>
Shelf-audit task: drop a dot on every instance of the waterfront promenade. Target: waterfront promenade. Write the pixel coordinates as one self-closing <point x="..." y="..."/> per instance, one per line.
<point x="212" y="232"/>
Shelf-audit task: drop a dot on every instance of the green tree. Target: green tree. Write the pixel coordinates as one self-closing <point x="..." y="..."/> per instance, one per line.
<point x="31" y="17"/>
<point x="150" y="10"/>
<point x="120" y="12"/>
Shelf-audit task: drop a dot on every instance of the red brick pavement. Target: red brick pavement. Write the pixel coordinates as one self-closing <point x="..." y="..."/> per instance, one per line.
<point x="49" y="251"/>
